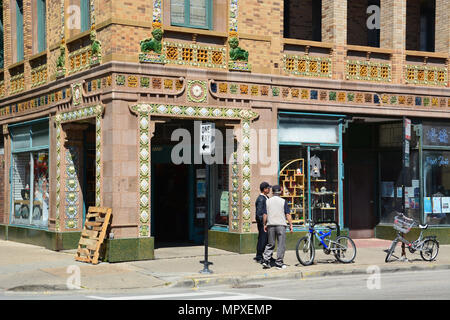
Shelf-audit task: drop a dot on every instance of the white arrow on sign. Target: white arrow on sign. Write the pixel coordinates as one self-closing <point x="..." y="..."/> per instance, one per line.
<point x="207" y="138"/>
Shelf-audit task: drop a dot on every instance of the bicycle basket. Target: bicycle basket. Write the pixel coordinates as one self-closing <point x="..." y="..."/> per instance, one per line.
<point x="403" y="224"/>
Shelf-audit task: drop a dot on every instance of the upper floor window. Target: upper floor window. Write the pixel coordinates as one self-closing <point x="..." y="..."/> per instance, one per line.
<point x="39" y="26"/>
<point x="363" y="18"/>
<point x="19" y="29"/>
<point x="420" y="25"/>
<point x="303" y="19"/>
<point x="2" y="52"/>
<point x="191" y="13"/>
<point x="85" y="15"/>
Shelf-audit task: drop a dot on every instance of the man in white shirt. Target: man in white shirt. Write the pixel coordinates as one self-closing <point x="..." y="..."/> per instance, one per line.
<point x="278" y="213"/>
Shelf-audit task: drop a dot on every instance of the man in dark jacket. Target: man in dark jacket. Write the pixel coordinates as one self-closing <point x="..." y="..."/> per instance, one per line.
<point x="260" y="211"/>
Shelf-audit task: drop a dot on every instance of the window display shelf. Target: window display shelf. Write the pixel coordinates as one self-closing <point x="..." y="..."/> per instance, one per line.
<point x="292" y="181"/>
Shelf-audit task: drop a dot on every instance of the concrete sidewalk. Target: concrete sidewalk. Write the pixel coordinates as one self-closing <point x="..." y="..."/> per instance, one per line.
<point x="28" y="268"/>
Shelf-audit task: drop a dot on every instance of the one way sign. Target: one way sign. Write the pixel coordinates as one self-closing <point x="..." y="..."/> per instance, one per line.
<point x="207" y="138"/>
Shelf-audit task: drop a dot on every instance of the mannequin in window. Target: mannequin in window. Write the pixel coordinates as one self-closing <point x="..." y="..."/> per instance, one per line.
<point x="315" y="166"/>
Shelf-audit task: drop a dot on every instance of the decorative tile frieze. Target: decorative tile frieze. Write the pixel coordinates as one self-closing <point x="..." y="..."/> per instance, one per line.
<point x="307" y="66"/>
<point x="368" y="71"/>
<point x="285" y="93"/>
<point x="17" y="83"/>
<point x="196" y="91"/>
<point x="80" y="59"/>
<point x="39" y="76"/>
<point x="426" y="75"/>
<point x="195" y="55"/>
<point x="72" y="188"/>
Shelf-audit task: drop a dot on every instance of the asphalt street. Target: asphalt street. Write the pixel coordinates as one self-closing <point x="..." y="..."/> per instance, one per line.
<point x="417" y="285"/>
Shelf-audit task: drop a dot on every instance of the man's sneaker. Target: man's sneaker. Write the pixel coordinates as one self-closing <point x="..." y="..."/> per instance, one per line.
<point x="266" y="264"/>
<point x="280" y="266"/>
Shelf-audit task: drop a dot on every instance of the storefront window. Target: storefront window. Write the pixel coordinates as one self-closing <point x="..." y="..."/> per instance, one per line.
<point x="309" y="181"/>
<point x="323" y="166"/>
<point x="30" y="175"/>
<point x="391" y="186"/>
<point x="222" y="197"/>
<point x="437" y="187"/>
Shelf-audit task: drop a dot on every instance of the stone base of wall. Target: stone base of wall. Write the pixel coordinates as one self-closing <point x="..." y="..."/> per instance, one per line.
<point x="117" y="250"/>
<point x="387" y="232"/>
<point x="246" y="242"/>
<point x="133" y="249"/>
<point x="51" y="240"/>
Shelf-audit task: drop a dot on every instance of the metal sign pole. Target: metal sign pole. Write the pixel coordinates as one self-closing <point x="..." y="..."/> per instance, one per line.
<point x="406" y="129"/>
<point x="206" y="133"/>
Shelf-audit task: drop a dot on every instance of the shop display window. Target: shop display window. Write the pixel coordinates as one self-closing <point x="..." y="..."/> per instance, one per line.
<point x="391" y="186"/>
<point x="436" y="187"/>
<point x="309" y="180"/>
<point x="30" y="175"/>
<point x="30" y="188"/>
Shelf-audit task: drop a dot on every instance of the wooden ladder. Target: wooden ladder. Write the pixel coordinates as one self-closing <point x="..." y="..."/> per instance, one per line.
<point x="93" y="235"/>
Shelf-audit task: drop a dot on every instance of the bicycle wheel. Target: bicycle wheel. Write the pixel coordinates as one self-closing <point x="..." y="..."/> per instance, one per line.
<point x="305" y="251"/>
<point x="344" y="249"/>
<point x="430" y="249"/>
<point x="391" y="250"/>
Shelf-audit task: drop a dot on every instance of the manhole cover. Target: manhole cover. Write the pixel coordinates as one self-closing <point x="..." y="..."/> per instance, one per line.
<point x="247" y="286"/>
<point x="38" y="288"/>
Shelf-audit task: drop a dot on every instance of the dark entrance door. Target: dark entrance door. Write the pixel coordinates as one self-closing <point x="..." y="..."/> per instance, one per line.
<point x="361" y="197"/>
<point x="171" y="203"/>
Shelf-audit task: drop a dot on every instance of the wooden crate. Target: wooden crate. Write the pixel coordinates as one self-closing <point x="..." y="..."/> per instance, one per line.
<point x="93" y="235"/>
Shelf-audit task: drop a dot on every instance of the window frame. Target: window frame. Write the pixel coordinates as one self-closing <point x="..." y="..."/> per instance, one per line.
<point x="187" y="16"/>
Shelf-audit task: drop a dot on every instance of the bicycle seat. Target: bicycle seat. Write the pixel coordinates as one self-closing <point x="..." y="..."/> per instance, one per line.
<point x="423" y="226"/>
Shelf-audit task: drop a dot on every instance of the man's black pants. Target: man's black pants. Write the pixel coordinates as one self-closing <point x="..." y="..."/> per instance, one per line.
<point x="262" y="239"/>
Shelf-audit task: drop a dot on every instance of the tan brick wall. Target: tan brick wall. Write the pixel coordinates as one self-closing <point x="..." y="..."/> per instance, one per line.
<point x="442" y="26"/>
<point x="264" y="20"/>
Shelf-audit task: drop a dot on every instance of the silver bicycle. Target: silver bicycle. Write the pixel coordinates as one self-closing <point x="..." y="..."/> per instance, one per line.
<point x="428" y="246"/>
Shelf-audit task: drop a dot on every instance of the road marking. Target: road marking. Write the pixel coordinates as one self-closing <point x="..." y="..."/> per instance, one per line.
<point x="155" y="296"/>
<point x="200" y="295"/>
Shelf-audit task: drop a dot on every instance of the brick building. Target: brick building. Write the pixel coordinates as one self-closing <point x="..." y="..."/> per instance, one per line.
<point x="313" y="95"/>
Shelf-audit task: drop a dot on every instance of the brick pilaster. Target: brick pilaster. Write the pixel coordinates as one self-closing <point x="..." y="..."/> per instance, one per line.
<point x="393" y="34"/>
<point x="334" y="30"/>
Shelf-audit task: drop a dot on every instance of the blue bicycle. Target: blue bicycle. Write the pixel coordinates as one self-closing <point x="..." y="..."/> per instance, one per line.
<point x="342" y="247"/>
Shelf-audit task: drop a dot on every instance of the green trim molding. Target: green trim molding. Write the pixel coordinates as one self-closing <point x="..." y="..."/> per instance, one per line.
<point x="387" y="232"/>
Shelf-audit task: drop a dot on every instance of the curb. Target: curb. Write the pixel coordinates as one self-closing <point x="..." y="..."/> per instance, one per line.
<point x="193" y="282"/>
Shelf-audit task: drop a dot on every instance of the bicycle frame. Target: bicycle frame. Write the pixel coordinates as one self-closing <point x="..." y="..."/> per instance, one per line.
<point x="321" y="236"/>
<point x="415" y="245"/>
